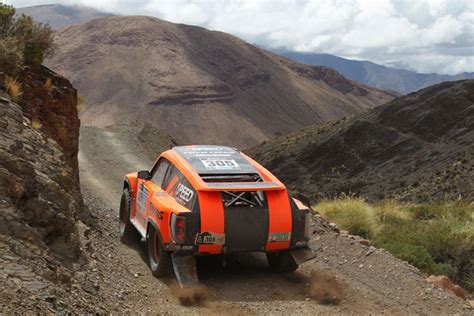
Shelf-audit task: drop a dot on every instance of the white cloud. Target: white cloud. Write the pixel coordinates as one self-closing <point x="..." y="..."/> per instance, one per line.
<point x="426" y="35"/>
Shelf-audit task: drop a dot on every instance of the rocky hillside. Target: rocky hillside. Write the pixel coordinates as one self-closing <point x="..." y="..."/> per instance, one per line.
<point x="40" y="245"/>
<point x="58" y="15"/>
<point x="388" y="78"/>
<point x="418" y="147"/>
<point x="198" y="85"/>
<point x="50" y="102"/>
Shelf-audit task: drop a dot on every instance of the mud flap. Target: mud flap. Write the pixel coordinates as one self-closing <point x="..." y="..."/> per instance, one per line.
<point x="184" y="266"/>
<point x="302" y="255"/>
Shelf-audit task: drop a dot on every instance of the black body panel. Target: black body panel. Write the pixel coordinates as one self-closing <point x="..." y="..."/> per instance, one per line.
<point x="246" y="228"/>
<point x="297" y="223"/>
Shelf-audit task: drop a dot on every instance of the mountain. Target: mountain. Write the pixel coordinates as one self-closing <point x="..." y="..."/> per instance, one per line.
<point x="58" y="15"/>
<point x="417" y="147"/>
<point x="201" y="86"/>
<point x="399" y="80"/>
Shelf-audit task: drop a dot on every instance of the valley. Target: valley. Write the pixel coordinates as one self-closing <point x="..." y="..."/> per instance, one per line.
<point x="102" y="95"/>
<point x="245" y="285"/>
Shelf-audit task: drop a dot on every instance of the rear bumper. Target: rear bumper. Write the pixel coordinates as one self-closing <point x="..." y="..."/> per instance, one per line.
<point x="195" y="249"/>
<point x="274" y="226"/>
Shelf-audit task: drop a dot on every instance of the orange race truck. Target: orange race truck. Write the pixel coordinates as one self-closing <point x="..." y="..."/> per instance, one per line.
<point x="207" y="200"/>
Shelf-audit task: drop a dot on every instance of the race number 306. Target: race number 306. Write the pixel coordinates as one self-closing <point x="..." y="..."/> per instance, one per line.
<point x="220" y="164"/>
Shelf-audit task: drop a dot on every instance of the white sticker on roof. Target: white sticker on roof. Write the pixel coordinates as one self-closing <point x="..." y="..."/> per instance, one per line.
<point x="220" y="164"/>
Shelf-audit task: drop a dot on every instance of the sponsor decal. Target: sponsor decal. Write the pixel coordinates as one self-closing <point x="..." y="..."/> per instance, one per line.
<point x="220" y="164"/>
<point x="184" y="193"/>
<point x="156" y="212"/>
<point x="142" y="197"/>
<point x="208" y="238"/>
<point x="275" y="237"/>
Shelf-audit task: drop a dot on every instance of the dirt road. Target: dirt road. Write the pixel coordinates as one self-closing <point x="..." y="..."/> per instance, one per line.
<point x="366" y="280"/>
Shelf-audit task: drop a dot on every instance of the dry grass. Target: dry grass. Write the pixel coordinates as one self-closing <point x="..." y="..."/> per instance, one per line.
<point x="438" y="238"/>
<point x="352" y="214"/>
<point x="13" y="87"/>
<point x="36" y="124"/>
<point x="81" y="104"/>
<point x="48" y="85"/>
<point x="392" y="210"/>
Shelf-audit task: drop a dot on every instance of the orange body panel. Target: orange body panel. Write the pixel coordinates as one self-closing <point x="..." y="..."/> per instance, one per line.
<point x="212" y="218"/>
<point x="159" y="211"/>
<point x="280" y="218"/>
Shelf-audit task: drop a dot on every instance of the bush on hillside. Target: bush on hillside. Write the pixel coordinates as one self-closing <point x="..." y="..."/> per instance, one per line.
<point x="22" y="41"/>
<point x="352" y="214"/>
<point x="438" y="238"/>
<point x="11" y="55"/>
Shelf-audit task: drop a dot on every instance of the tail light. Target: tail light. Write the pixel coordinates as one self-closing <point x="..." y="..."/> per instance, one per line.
<point x="178" y="228"/>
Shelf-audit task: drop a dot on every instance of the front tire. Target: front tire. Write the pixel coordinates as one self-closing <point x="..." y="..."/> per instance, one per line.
<point x="128" y="233"/>
<point x="158" y="257"/>
<point x="282" y="261"/>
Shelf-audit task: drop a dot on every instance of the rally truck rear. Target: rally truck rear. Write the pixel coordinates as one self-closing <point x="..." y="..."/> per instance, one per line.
<point x="209" y="200"/>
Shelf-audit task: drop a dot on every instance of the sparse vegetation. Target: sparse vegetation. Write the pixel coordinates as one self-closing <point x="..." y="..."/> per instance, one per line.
<point x="352" y="214"/>
<point x="438" y="238"/>
<point x="11" y="56"/>
<point x="23" y="42"/>
<point x="81" y="103"/>
<point x="48" y="85"/>
<point x="13" y="88"/>
<point x="36" y="124"/>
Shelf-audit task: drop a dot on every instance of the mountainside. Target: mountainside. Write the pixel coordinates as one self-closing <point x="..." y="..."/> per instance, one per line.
<point x="198" y="85"/>
<point x="417" y="147"/>
<point x="58" y="15"/>
<point x="375" y="75"/>
<point x="40" y="245"/>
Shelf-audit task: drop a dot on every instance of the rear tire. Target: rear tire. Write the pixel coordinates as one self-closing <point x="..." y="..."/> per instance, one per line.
<point x="159" y="259"/>
<point x="128" y="233"/>
<point x="282" y="261"/>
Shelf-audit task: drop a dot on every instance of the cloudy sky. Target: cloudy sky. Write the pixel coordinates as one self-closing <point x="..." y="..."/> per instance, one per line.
<point x="421" y="35"/>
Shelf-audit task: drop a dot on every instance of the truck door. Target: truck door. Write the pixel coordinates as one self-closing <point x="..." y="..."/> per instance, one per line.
<point x="146" y="188"/>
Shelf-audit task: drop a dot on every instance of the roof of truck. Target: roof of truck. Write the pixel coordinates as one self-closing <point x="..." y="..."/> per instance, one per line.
<point x="203" y="163"/>
<point x="211" y="159"/>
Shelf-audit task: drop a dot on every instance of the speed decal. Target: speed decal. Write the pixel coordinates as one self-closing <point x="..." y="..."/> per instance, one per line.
<point x="185" y="193"/>
<point x="220" y="164"/>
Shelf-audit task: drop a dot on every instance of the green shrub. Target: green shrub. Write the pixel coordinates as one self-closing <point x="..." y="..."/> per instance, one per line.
<point x="438" y="238"/>
<point x="11" y="55"/>
<point x="352" y="214"/>
<point x="444" y="231"/>
<point x="36" y="37"/>
<point x="22" y="41"/>
<point x="415" y="255"/>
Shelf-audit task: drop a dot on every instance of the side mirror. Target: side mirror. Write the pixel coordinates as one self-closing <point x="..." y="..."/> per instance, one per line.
<point x="144" y="175"/>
